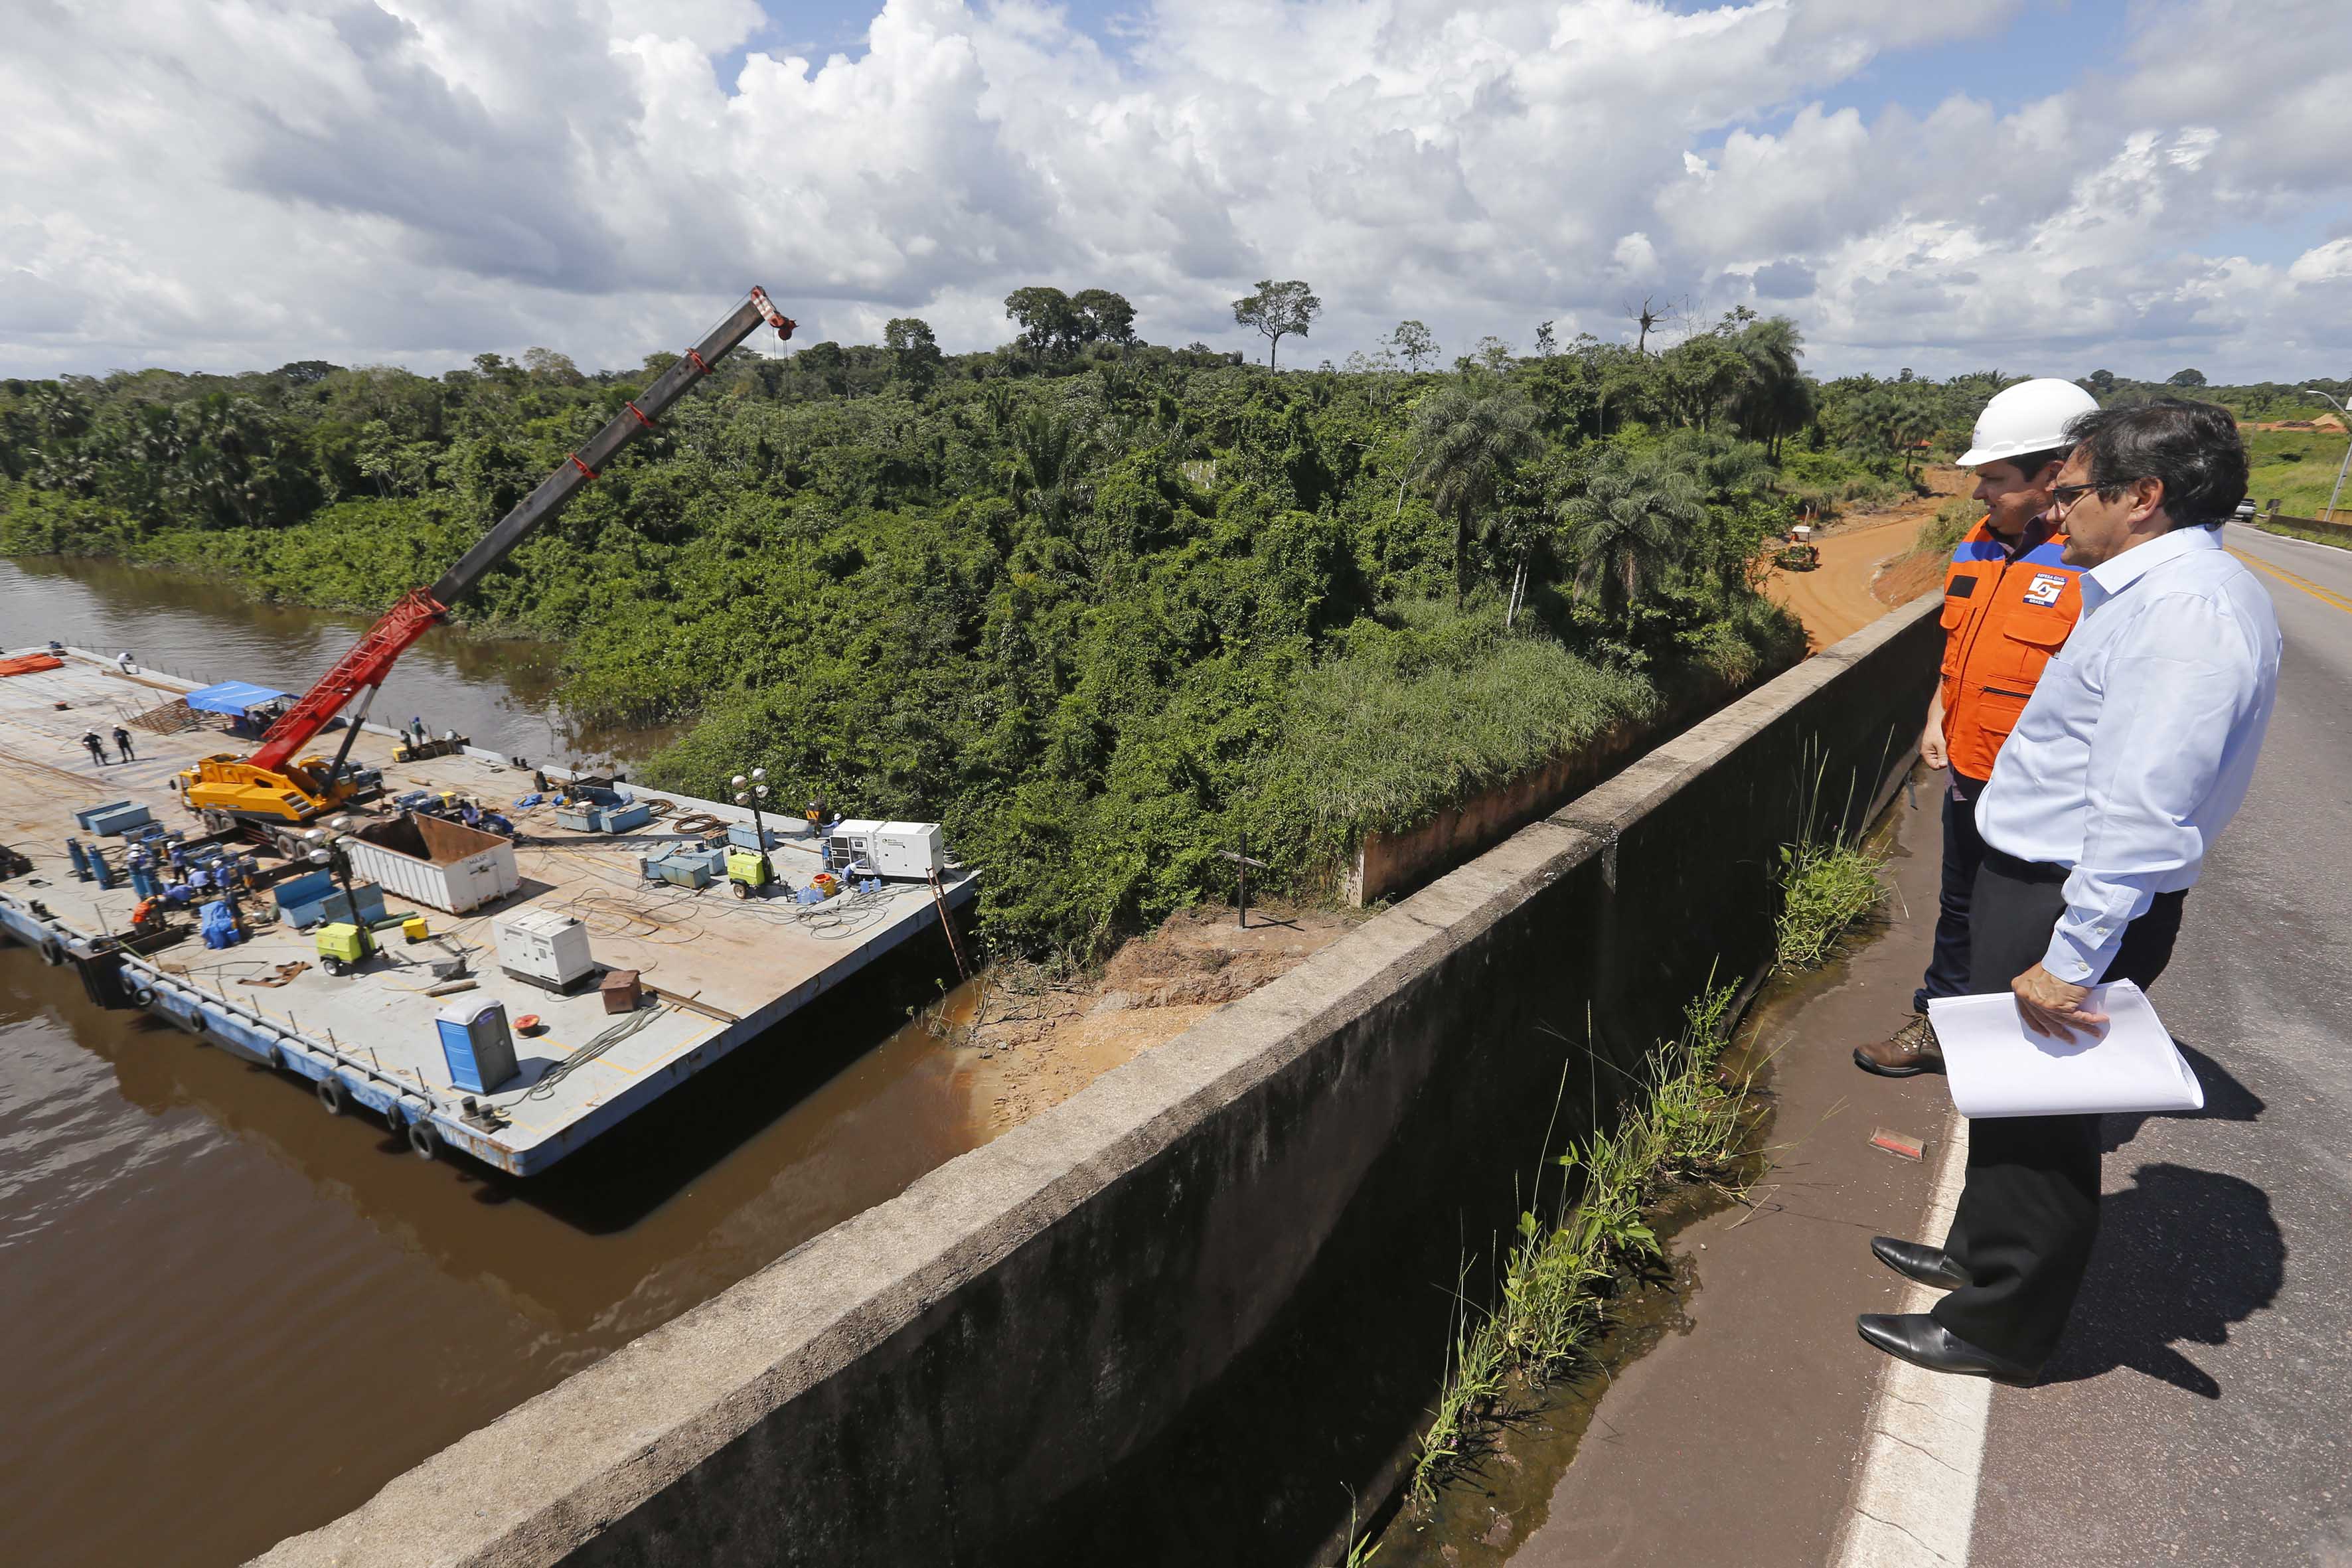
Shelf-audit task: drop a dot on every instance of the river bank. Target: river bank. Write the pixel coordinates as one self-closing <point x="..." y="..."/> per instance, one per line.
<point x="500" y="690"/>
<point x="1035" y="1035"/>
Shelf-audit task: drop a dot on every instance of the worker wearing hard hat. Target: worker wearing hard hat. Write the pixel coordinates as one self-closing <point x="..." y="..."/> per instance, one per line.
<point x="2008" y="601"/>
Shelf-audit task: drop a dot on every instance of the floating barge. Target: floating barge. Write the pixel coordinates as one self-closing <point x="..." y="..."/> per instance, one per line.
<point x="717" y="970"/>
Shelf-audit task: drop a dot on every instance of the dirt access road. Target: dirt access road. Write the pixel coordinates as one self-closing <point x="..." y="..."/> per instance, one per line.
<point x="1834" y="600"/>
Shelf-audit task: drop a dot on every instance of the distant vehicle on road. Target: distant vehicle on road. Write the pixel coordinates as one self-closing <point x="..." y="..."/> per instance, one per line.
<point x="1800" y="554"/>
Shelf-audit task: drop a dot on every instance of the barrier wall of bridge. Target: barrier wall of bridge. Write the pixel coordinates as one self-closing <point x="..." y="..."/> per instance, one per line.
<point x="1182" y="1316"/>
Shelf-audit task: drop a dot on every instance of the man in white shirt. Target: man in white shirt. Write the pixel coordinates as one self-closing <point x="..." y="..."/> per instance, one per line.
<point x="2132" y="756"/>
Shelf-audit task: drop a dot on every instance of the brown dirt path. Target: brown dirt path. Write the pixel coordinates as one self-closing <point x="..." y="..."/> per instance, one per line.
<point x="1834" y="600"/>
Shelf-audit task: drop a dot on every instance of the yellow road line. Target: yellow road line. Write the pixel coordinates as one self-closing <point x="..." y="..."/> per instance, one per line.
<point x="2326" y="595"/>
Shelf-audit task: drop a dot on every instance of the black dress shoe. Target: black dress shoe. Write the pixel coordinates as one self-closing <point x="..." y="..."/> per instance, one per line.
<point x="1916" y="1260"/>
<point x="1920" y="1339"/>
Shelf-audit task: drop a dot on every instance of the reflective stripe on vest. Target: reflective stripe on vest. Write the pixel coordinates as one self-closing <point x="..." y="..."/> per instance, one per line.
<point x="2002" y="620"/>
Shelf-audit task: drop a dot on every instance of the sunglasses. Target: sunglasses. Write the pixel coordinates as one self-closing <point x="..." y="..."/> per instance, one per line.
<point x="2063" y="497"/>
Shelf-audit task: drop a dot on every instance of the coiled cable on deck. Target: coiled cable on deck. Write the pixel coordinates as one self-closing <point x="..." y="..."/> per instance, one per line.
<point x="604" y="1041"/>
<point x="842" y="915"/>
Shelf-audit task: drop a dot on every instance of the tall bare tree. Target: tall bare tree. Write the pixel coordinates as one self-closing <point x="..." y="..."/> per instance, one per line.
<point x="1648" y="317"/>
<point x="1279" y="310"/>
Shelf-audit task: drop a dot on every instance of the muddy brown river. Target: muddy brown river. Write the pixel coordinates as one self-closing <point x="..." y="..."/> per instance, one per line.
<point x="231" y="1317"/>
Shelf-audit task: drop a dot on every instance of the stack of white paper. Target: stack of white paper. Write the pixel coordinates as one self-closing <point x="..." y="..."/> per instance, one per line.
<point x="1999" y="1068"/>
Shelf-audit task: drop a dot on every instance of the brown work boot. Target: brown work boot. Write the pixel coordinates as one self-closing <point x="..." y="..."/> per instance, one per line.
<point x="1906" y="1053"/>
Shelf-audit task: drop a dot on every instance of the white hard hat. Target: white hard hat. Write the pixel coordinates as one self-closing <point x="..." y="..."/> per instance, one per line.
<point x="2031" y="417"/>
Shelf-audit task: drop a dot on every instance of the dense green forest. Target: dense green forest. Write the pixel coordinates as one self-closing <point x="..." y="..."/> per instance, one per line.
<point x="1102" y="606"/>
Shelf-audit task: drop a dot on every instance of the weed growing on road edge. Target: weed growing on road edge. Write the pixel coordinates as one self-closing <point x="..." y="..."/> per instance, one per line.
<point x="1363" y="1545"/>
<point x="1825" y="887"/>
<point x="1688" y="1123"/>
<point x="1826" y="881"/>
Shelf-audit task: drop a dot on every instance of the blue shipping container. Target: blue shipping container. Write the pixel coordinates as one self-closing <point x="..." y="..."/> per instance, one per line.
<point x="621" y="818"/>
<point x="121" y="819"/>
<point x="679" y="871"/>
<point x="308" y="888"/>
<point x="83" y="815"/>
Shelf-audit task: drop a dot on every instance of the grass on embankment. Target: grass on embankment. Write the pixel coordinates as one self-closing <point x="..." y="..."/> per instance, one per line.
<point x="2295" y="467"/>
<point x="2341" y="542"/>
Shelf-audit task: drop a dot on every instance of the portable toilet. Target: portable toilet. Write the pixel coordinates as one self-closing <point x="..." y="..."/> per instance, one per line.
<point x="476" y="1045"/>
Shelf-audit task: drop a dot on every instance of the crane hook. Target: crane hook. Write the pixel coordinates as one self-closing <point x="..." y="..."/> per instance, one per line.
<point x="773" y="317"/>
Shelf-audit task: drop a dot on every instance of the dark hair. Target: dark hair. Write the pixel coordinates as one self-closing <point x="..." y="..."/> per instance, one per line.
<point x="2192" y="449"/>
<point x="2028" y="463"/>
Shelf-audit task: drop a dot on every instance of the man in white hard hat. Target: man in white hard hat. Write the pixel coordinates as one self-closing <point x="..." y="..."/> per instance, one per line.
<point x="2008" y="601"/>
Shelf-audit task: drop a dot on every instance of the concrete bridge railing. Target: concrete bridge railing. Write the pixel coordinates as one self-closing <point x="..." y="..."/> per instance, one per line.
<point x="1176" y="1318"/>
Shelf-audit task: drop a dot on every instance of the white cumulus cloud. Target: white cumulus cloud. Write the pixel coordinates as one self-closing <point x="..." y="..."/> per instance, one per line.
<point x="235" y="182"/>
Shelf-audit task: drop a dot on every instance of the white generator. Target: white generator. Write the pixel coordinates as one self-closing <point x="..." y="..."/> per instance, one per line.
<point x="915" y="851"/>
<point x="544" y="948"/>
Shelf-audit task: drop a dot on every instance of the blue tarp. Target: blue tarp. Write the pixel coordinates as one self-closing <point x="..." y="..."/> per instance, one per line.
<point x="234" y="697"/>
<point x="219" y="928"/>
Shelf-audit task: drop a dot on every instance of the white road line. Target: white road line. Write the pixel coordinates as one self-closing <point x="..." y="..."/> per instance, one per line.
<point x="1915" y="1493"/>
<point x="2290" y="539"/>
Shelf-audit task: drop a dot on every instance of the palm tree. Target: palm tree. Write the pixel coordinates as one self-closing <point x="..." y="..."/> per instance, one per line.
<point x="1047" y="451"/>
<point x="1631" y="519"/>
<point x="1466" y="441"/>
<point x="1775" y="399"/>
<point x="1723" y="465"/>
<point x="996" y="397"/>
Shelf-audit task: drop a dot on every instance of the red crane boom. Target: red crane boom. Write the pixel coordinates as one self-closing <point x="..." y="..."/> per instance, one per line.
<point x="359" y="673"/>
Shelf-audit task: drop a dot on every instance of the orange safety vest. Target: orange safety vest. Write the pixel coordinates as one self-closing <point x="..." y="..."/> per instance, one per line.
<point x="2002" y="620"/>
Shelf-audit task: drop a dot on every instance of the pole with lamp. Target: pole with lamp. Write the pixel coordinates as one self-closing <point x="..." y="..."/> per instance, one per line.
<point x="2346" y="463"/>
<point x="747" y="873"/>
<point x="328" y="854"/>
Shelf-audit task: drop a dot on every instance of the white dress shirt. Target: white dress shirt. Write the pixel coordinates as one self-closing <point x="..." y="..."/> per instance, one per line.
<point x="2139" y="743"/>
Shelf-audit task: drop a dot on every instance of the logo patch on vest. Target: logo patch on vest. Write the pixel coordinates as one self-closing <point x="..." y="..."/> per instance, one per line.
<point x="2045" y="588"/>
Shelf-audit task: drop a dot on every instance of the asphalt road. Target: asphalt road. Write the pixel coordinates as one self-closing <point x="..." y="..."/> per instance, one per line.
<point x="2200" y="1411"/>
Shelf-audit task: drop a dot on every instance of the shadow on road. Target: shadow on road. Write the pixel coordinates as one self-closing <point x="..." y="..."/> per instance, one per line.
<point x="2182" y="1253"/>
<point x="2226" y="1099"/>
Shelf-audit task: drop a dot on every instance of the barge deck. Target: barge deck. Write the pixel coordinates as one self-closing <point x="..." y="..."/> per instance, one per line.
<point x="719" y="971"/>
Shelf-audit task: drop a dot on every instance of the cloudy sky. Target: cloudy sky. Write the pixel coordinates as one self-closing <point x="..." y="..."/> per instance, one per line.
<point x="2043" y="187"/>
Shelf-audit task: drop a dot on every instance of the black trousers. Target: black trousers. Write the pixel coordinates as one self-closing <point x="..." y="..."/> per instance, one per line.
<point x="1947" y="971"/>
<point x="2030" y="1210"/>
